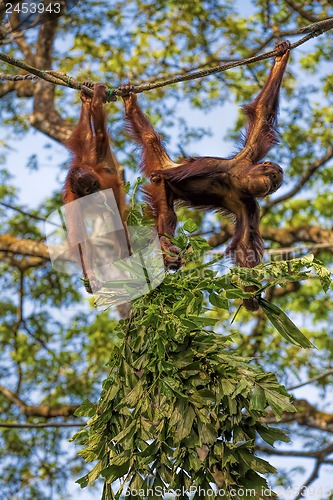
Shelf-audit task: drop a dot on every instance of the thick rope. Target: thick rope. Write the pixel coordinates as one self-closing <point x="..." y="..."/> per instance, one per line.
<point x="14" y="78"/>
<point x="59" y="78"/>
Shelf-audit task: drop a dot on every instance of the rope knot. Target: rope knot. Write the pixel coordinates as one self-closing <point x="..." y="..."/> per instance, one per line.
<point x="111" y="95"/>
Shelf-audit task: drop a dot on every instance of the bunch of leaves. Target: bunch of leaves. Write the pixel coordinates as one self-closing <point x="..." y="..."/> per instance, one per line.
<point x="178" y="410"/>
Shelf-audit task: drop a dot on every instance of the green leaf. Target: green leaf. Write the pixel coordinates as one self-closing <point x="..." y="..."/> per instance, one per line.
<point x="190" y="226"/>
<point x="207" y="433"/>
<point x="86" y="409"/>
<point x="258" y="399"/>
<point x="284" y="325"/>
<point x="218" y="301"/>
<point x="134" y="396"/>
<point x="254" y="463"/>
<point x="228" y="386"/>
<point x="117" y="470"/>
<point x="271" y="434"/>
<point x="91" y="476"/>
<point x="150" y="450"/>
<point x="235" y="293"/>
<point x="278" y="402"/>
<point x="124" y="433"/>
<point x="199" y="244"/>
<point x="185" y="424"/>
<point x="202" y="320"/>
<point x="323" y="273"/>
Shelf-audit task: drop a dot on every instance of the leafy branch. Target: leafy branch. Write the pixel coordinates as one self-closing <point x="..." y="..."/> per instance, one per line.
<point x="179" y="408"/>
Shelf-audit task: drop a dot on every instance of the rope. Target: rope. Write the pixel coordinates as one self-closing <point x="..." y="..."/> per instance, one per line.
<point x="59" y="78"/>
<point x="15" y="78"/>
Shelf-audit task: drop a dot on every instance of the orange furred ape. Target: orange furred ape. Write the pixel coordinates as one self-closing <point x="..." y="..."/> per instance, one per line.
<point x="229" y="185"/>
<point x="93" y="168"/>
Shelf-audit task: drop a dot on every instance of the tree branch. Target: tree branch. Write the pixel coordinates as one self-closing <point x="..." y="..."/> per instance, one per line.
<point x="290" y="235"/>
<point x="313" y="379"/>
<point x="38" y="411"/>
<point x="6" y="88"/>
<point x="303" y="180"/>
<point x="41" y="426"/>
<point x="289" y="453"/>
<point x="307" y="415"/>
<point x="318" y="454"/>
<point x="23" y="212"/>
<point x="312" y="477"/>
<point x="301" y="12"/>
<point x="10" y="244"/>
<point x="45" y="117"/>
<point x="286" y="237"/>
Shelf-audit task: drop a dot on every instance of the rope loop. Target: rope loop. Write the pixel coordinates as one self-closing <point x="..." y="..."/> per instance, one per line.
<point x="315" y="28"/>
<point x="111" y="95"/>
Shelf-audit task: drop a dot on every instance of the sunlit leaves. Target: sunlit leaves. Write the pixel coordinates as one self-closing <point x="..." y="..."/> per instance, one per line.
<point x="174" y="387"/>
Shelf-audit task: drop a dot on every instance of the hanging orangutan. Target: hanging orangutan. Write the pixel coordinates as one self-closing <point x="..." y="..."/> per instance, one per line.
<point x="93" y="169"/>
<point x="229" y="185"/>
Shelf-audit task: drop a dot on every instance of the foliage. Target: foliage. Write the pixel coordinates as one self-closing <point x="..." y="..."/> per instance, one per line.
<point x="179" y="409"/>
